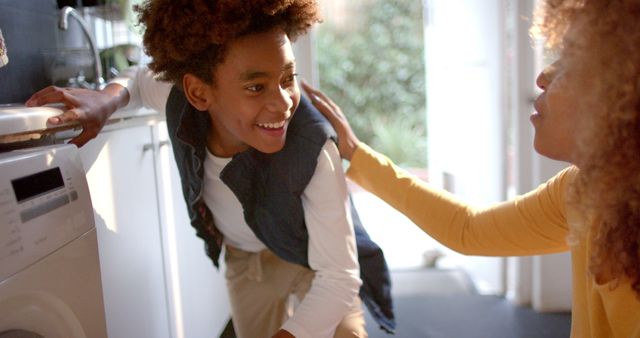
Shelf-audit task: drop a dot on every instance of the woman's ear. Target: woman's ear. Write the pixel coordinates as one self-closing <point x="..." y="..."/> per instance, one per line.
<point x="197" y="92"/>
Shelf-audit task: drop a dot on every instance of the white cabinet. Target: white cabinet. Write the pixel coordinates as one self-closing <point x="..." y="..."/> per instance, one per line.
<point x="122" y="182"/>
<point x="198" y="297"/>
<point x="157" y="280"/>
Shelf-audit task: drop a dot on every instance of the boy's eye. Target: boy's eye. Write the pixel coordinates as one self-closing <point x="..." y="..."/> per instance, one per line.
<point x="291" y="77"/>
<point x="255" y="88"/>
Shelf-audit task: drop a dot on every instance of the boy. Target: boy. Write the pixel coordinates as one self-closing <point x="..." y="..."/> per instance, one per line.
<point x="280" y="209"/>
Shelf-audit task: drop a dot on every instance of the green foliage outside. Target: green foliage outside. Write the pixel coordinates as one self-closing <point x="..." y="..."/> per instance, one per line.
<point x="374" y="70"/>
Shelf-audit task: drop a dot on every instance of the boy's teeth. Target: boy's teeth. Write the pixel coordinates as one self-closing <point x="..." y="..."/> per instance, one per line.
<point x="274" y="125"/>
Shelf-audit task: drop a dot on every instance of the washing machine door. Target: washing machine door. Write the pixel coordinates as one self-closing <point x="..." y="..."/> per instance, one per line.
<point x="37" y="315"/>
<point x="49" y="265"/>
<point x="19" y="334"/>
<point x="60" y="296"/>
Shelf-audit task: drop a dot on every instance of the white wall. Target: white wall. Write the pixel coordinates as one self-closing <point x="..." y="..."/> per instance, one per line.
<point x="542" y="281"/>
<point x="306" y="64"/>
<point x="465" y="111"/>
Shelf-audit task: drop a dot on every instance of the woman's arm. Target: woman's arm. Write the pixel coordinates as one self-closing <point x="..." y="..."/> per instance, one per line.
<point x="534" y="223"/>
<point x="531" y="224"/>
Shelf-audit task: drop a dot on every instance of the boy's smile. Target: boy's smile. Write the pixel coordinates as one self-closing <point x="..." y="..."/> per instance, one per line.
<point x="254" y="95"/>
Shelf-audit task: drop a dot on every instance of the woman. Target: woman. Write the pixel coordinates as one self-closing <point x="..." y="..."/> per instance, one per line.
<point x="589" y="115"/>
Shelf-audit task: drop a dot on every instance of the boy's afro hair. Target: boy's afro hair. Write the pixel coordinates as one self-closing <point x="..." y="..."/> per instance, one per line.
<point x="189" y="36"/>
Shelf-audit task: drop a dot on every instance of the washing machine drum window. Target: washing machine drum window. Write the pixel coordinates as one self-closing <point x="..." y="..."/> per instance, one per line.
<point x="19" y="334"/>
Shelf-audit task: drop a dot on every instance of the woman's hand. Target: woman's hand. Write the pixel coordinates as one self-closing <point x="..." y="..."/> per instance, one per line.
<point x="347" y="140"/>
<point x="91" y="108"/>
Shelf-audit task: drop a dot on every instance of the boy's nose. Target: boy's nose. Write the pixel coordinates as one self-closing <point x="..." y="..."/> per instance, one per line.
<point x="281" y="101"/>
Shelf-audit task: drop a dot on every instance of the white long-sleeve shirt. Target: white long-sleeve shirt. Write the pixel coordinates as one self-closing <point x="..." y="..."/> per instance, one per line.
<point x="332" y="250"/>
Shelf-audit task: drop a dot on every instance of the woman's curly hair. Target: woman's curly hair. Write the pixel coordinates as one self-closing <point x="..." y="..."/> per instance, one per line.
<point x="190" y="36"/>
<point x="602" y="37"/>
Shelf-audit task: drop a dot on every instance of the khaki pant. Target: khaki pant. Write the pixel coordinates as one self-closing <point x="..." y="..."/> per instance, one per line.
<point x="260" y="286"/>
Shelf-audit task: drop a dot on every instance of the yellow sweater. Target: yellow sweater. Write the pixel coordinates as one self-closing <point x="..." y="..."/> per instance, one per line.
<point x="532" y="224"/>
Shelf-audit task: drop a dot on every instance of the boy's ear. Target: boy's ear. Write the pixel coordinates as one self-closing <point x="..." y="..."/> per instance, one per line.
<point x="196" y="91"/>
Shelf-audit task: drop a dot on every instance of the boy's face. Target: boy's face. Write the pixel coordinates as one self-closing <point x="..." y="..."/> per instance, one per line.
<point x="254" y="96"/>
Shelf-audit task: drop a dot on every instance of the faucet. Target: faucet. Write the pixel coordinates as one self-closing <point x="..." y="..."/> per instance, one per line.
<point x="63" y="24"/>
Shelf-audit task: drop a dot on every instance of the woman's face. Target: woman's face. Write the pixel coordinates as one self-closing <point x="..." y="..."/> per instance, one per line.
<point x="556" y="113"/>
<point x="254" y="96"/>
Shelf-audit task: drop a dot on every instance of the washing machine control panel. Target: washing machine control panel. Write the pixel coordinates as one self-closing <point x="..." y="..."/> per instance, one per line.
<point x="44" y="204"/>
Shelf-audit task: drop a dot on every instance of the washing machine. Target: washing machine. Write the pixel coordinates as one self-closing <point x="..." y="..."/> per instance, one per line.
<point x="49" y="266"/>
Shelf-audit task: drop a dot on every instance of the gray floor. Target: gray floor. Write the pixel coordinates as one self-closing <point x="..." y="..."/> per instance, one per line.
<point x="430" y="281"/>
<point x="436" y="303"/>
<point x="433" y="303"/>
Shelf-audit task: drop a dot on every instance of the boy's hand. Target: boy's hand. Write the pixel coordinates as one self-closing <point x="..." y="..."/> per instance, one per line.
<point x="91" y="108"/>
<point x="347" y="140"/>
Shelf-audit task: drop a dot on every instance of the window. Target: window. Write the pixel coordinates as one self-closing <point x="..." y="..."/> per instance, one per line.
<point x="371" y="63"/>
<point x="424" y="86"/>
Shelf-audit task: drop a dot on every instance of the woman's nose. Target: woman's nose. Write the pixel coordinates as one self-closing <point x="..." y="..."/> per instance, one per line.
<point x="542" y="80"/>
<point x="548" y="74"/>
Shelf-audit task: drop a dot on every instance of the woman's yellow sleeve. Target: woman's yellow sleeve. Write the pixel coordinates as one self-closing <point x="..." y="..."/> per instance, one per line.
<point x="533" y="223"/>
